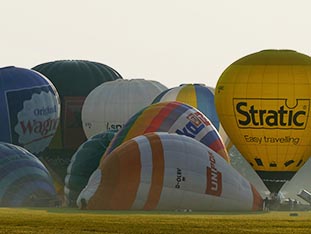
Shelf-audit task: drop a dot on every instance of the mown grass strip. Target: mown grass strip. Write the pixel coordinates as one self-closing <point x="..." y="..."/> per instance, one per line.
<point x="60" y="220"/>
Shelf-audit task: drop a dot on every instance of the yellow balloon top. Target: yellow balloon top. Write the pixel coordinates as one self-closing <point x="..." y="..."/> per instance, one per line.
<point x="263" y="103"/>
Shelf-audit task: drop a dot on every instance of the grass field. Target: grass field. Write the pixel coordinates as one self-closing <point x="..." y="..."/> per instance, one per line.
<point x="61" y="220"/>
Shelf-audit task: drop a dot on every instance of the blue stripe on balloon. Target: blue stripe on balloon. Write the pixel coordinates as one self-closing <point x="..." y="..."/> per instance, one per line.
<point x="209" y="138"/>
<point x="18" y="195"/>
<point x="16" y="166"/>
<point x="173" y="116"/>
<point x="22" y="175"/>
<point x="205" y="102"/>
<point x="14" y="171"/>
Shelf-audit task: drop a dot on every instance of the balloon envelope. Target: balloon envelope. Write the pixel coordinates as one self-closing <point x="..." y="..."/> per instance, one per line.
<point x="29" y="109"/>
<point x="172" y="117"/>
<point x="74" y="80"/>
<point x="24" y="180"/>
<point x="263" y="102"/>
<point x="83" y="163"/>
<point x="162" y="171"/>
<point x="199" y="96"/>
<point x="111" y="104"/>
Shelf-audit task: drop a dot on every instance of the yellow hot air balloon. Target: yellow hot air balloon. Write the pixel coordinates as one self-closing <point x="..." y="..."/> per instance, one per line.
<point x="263" y="102"/>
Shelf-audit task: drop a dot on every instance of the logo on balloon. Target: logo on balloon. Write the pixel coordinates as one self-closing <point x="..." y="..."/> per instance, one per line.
<point x="114" y="126"/>
<point x="196" y="123"/>
<point x="213" y="178"/>
<point x="271" y="113"/>
<point x="32" y="121"/>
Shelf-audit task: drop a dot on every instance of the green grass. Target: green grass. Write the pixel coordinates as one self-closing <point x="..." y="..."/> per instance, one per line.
<point x="61" y="220"/>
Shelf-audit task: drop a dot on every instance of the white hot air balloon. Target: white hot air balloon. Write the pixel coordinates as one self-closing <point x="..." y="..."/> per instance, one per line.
<point x="111" y="104"/>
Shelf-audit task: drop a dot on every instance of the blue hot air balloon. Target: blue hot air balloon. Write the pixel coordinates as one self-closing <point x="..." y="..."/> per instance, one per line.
<point x="24" y="180"/>
<point x="29" y="109"/>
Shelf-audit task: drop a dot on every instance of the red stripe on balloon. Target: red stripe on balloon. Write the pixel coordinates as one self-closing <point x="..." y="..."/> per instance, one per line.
<point x="161" y="116"/>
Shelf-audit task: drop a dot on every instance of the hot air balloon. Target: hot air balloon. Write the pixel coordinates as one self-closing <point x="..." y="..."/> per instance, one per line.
<point x="199" y="96"/>
<point x="83" y="163"/>
<point x="74" y="80"/>
<point x="29" y="109"/>
<point x="111" y="104"/>
<point x="24" y="180"/>
<point x="263" y="103"/>
<point x="172" y="117"/>
<point x="162" y="171"/>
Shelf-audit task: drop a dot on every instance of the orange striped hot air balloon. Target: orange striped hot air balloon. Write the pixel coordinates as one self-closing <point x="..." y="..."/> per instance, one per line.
<point x="162" y="171"/>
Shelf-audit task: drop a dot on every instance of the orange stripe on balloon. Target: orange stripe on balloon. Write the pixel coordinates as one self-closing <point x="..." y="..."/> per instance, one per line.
<point x="257" y="200"/>
<point x="157" y="172"/>
<point x="224" y="154"/>
<point x="120" y="179"/>
<point x="145" y="120"/>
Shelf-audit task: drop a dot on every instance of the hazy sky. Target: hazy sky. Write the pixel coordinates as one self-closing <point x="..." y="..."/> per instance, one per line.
<point x="171" y="41"/>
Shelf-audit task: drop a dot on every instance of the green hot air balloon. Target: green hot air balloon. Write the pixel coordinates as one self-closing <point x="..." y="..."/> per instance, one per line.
<point x="83" y="163"/>
<point x="74" y="80"/>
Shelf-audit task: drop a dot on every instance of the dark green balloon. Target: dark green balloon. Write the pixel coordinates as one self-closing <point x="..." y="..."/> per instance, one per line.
<point x="74" y="80"/>
<point x="83" y="163"/>
<point x="77" y="77"/>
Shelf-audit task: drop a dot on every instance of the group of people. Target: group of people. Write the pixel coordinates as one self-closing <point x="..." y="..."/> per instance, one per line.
<point x="273" y="202"/>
